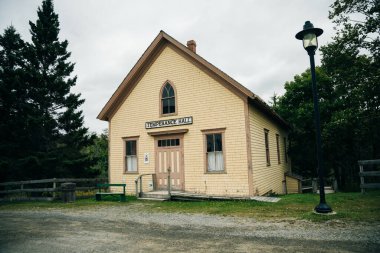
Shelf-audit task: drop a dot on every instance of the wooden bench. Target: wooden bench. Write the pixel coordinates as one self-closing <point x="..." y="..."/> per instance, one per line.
<point x="99" y="194"/>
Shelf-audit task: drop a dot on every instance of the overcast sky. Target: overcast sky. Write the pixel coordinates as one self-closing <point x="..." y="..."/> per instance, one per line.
<point x="252" y="41"/>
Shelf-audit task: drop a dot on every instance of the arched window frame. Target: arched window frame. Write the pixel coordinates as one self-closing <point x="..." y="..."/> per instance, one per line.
<point x="161" y="99"/>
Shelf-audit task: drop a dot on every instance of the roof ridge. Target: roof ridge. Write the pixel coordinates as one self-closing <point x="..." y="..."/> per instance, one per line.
<point x="252" y="96"/>
<point x="108" y="108"/>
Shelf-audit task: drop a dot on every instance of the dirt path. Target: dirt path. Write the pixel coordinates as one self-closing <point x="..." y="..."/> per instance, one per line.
<point x="129" y="229"/>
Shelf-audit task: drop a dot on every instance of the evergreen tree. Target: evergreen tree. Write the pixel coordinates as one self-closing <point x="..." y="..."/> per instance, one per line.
<point x="41" y="126"/>
<point x="58" y="129"/>
<point x="13" y="105"/>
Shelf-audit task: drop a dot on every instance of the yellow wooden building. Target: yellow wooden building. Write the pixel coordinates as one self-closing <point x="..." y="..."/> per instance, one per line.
<point x="176" y="112"/>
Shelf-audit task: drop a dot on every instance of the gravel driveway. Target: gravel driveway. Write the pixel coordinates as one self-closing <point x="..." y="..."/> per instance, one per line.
<point x="130" y="229"/>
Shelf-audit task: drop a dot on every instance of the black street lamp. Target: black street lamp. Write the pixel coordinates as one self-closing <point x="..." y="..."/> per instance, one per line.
<point x="309" y="36"/>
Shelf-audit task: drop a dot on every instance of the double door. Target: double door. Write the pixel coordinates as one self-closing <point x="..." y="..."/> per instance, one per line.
<point x="169" y="158"/>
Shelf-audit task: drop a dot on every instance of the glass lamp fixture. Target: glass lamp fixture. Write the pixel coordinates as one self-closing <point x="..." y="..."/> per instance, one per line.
<point x="309" y="36"/>
<point x="310" y="40"/>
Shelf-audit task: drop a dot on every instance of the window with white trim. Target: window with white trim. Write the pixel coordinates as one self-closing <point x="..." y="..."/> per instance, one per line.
<point x="214" y="152"/>
<point x="131" y="155"/>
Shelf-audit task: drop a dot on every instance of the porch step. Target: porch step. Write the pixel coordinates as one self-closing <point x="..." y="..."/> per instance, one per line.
<point x="155" y="195"/>
<point x="154" y="199"/>
<point x="185" y="196"/>
<point x="266" y="199"/>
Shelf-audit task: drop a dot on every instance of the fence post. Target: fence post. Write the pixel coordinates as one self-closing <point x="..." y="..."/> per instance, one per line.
<point x="137" y="187"/>
<point x="68" y="192"/>
<point x="299" y="186"/>
<point x="314" y="185"/>
<point x="335" y="185"/>
<point x="54" y="186"/>
<point x="284" y="191"/>
<point x="361" y="179"/>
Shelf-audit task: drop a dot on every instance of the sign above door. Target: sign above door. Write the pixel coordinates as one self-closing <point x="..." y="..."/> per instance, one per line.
<point x="169" y="122"/>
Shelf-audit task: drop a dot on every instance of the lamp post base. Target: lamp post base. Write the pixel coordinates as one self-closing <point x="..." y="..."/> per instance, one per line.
<point x="323" y="208"/>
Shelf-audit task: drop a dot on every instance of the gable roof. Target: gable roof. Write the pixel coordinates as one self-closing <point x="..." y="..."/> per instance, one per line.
<point x="146" y="60"/>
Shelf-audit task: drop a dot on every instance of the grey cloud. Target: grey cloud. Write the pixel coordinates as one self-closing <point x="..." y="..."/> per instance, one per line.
<point x="252" y="41"/>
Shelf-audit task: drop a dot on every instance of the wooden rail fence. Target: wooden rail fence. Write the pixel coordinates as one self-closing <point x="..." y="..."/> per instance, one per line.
<point x="363" y="174"/>
<point x="27" y="187"/>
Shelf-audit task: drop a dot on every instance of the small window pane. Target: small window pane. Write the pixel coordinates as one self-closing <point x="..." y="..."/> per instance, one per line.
<point x="165" y="106"/>
<point x="166" y="91"/>
<point x="171" y="104"/>
<point x="159" y="143"/>
<point x="130" y="147"/>
<point x="127" y="148"/>
<point x="219" y="162"/>
<point x="131" y="163"/>
<point x="177" y="142"/>
<point x="211" y="161"/>
<point x="172" y="142"/>
<point x="218" y="142"/>
<point x="171" y="91"/>
<point x="210" y="142"/>
<point x="133" y="149"/>
<point x="134" y="163"/>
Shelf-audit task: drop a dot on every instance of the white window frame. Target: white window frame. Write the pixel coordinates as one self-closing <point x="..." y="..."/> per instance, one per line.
<point x="126" y="169"/>
<point x="207" y="132"/>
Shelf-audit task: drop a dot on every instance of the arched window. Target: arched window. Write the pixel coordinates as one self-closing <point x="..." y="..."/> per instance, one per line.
<point x="168" y="99"/>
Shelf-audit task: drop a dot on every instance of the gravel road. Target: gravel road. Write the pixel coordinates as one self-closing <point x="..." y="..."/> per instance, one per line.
<point x="130" y="229"/>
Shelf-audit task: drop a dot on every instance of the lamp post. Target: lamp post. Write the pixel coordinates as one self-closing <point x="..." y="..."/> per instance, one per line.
<point x="309" y="36"/>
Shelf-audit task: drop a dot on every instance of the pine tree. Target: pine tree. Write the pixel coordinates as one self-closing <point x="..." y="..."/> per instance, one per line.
<point x="13" y="104"/>
<point x="58" y="123"/>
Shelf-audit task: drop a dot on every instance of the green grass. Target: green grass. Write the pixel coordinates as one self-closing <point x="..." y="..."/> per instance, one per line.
<point x="78" y="204"/>
<point x="349" y="207"/>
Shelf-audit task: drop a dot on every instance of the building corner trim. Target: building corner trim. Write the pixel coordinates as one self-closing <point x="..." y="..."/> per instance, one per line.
<point x="249" y="153"/>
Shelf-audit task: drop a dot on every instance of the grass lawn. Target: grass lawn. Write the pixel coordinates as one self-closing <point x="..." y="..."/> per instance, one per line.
<point x="349" y="207"/>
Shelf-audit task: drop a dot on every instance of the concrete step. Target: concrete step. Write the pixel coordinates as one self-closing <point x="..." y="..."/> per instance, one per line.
<point x="154" y="195"/>
<point x="154" y="199"/>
